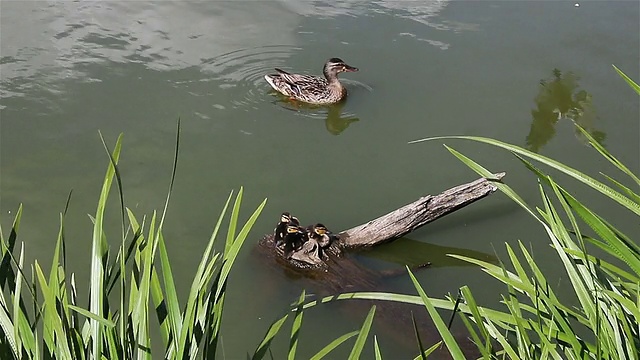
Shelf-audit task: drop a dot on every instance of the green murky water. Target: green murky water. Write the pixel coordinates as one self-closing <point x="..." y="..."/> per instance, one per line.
<point x="515" y="71"/>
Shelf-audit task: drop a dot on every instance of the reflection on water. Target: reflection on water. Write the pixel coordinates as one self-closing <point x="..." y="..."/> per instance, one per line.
<point x="405" y="251"/>
<point x="560" y="98"/>
<point x="60" y="39"/>
<point x="336" y="120"/>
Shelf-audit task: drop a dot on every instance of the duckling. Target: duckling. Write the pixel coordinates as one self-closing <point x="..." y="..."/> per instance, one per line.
<point x="313" y="89"/>
<point x="294" y="239"/>
<point x="281" y="228"/>
<point x="320" y="234"/>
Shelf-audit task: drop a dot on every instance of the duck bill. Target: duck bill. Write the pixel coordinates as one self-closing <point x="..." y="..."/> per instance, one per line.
<point x="348" y="68"/>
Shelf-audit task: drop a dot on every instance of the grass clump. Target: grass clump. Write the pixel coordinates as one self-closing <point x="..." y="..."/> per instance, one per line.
<point x="40" y="317"/>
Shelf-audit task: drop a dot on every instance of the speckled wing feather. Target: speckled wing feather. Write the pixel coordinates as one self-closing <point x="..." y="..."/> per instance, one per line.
<point x="296" y="84"/>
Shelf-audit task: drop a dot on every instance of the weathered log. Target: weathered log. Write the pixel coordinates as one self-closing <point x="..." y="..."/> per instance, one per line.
<point x="420" y="212"/>
<point x="385" y="228"/>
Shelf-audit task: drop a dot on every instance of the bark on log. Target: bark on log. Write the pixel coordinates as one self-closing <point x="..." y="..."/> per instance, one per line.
<point x="412" y="216"/>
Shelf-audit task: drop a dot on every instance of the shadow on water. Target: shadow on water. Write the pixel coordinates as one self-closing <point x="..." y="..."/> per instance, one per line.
<point x="559" y="97"/>
<point x="336" y="120"/>
<point x="405" y="251"/>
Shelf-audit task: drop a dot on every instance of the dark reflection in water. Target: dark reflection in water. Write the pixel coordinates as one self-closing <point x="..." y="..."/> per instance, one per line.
<point x="560" y="98"/>
<point x="405" y="251"/>
<point x="336" y="121"/>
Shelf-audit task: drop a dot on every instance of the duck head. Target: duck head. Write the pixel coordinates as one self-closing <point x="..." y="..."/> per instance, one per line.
<point x="334" y="66"/>
<point x="285" y="218"/>
<point x="320" y="229"/>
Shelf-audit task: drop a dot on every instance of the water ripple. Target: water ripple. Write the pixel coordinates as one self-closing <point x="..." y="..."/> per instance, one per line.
<point x="243" y="70"/>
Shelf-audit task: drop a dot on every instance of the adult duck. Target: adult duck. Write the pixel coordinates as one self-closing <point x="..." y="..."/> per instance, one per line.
<point x="313" y="89"/>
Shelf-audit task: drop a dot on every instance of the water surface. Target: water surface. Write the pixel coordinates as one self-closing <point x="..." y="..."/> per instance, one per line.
<point x="515" y="71"/>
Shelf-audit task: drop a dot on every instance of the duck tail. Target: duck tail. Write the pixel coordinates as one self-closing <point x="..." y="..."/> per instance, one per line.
<point x="280" y="71"/>
<point x="271" y="80"/>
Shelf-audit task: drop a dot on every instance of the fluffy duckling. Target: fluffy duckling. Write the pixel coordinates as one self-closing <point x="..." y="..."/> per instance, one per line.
<point x="320" y="234"/>
<point x="294" y="239"/>
<point x="281" y="228"/>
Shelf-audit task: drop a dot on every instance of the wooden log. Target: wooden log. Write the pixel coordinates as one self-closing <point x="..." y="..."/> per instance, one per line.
<point x="420" y="212"/>
<point x="387" y="227"/>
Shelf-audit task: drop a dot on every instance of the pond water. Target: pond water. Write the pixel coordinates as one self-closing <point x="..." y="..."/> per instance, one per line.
<point x="517" y="71"/>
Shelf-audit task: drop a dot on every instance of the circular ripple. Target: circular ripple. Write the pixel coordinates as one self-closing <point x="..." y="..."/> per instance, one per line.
<point x="244" y="70"/>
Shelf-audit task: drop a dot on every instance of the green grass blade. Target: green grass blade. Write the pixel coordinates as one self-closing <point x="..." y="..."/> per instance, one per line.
<point x="54" y="335"/>
<point x="487" y="174"/>
<point x="418" y="339"/>
<point x="631" y="83"/>
<point x="197" y="284"/>
<point x="332" y="345"/>
<point x="274" y="329"/>
<point x="140" y="315"/>
<point x="171" y="301"/>
<point x="632" y="195"/>
<point x="17" y="299"/>
<point x="230" y="256"/>
<point x="8" y="327"/>
<point x="623" y="251"/>
<point x="475" y="314"/>
<point x="97" y="267"/>
<point x="583" y="178"/>
<point x="428" y="352"/>
<point x="356" y="351"/>
<point x="376" y="348"/>
<point x="607" y="155"/>
<point x="295" y="328"/>
<point x="613" y="270"/>
<point x="448" y="338"/>
<point x="93" y="316"/>
<point x="233" y="223"/>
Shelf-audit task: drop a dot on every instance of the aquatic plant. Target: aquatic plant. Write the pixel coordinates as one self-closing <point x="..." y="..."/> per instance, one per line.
<point x="40" y="317"/>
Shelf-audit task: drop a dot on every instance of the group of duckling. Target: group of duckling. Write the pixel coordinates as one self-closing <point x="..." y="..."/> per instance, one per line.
<point x="292" y="237"/>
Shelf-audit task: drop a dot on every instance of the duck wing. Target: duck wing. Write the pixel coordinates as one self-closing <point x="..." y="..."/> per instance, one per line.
<point x="297" y="85"/>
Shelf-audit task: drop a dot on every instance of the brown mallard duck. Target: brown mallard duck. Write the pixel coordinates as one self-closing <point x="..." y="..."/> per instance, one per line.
<point x="313" y="89"/>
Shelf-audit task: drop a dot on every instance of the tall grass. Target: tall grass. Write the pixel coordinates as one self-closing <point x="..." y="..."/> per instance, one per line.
<point x="40" y="317"/>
